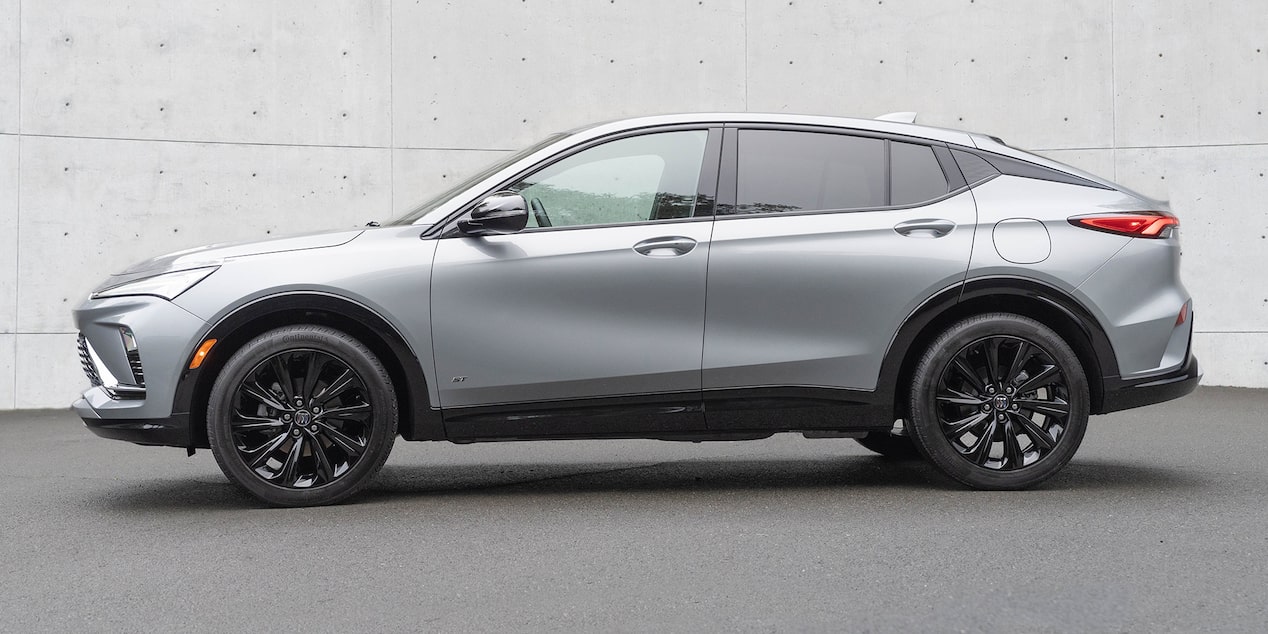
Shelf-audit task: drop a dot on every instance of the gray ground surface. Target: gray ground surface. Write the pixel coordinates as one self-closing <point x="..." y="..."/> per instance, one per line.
<point x="1159" y="523"/>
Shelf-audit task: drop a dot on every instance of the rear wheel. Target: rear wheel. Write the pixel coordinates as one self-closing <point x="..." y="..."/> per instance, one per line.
<point x="302" y="416"/>
<point x="999" y="401"/>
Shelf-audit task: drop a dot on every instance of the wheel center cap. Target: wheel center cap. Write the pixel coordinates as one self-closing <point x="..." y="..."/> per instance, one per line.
<point x="1001" y="401"/>
<point x="303" y="417"/>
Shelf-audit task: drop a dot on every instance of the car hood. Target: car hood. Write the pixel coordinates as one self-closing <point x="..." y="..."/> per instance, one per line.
<point x="217" y="253"/>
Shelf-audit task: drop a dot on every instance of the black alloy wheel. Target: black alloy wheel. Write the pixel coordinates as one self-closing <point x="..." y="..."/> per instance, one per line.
<point x="301" y="419"/>
<point x="1001" y="402"/>
<point x="302" y="415"/>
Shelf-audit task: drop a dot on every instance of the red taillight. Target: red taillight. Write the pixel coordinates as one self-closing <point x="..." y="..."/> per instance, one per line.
<point x="1139" y="224"/>
<point x="1184" y="314"/>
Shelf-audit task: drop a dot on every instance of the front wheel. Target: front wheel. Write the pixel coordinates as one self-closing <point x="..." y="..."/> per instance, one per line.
<point x="302" y="416"/>
<point x="999" y="401"/>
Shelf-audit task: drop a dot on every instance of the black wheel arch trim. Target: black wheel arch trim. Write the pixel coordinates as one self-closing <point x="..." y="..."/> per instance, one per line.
<point x="979" y="294"/>
<point x="419" y="421"/>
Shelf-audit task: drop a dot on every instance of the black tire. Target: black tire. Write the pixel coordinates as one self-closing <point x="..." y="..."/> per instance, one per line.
<point x="1034" y="376"/>
<point x="890" y="445"/>
<point x="320" y="449"/>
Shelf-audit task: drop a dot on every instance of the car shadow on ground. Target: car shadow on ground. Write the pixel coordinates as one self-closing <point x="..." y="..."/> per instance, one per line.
<point x="397" y="483"/>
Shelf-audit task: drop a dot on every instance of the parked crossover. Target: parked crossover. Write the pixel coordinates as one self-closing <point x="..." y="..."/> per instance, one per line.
<point x="686" y="277"/>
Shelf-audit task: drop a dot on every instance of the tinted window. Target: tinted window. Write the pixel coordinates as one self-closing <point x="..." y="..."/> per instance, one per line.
<point x="636" y="179"/>
<point x="975" y="169"/>
<point x="805" y="171"/>
<point x="917" y="176"/>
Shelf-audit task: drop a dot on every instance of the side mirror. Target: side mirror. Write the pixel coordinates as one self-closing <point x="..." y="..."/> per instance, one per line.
<point x="500" y="213"/>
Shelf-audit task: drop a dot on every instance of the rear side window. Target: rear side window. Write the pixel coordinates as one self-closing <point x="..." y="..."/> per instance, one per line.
<point x="917" y="175"/>
<point x="781" y="171"/>
<point x="793" y="171"/>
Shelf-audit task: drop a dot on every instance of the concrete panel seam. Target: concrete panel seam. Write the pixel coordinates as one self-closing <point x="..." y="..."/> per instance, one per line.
<point x="262" y="144"/>
<point x="391" y="106"/>
<point x="19" y="94"/>
<point x="17" y="217"/>
<point x="1151" y="147"/>
<point x="1113" y="95"/>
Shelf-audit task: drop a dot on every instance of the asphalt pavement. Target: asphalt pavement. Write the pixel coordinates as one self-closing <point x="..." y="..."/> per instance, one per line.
<point x="1160" y="523"/>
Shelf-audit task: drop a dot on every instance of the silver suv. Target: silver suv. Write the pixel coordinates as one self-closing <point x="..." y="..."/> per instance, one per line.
<point x="689" y="277"/>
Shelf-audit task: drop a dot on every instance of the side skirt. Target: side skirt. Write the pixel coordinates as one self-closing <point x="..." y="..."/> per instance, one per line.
<point x="730" y="414"/>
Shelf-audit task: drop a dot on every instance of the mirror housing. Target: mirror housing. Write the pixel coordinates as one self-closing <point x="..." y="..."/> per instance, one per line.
<point x="498" y="214"/>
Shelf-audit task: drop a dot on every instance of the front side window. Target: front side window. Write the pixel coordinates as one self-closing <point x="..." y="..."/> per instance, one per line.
<point x="635" y="179"/>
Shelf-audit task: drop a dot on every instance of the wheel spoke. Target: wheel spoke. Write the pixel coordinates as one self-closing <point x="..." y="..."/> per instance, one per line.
<point x="963" y="368"/>
<point x="283" y="374"/>
<point x="1048" y="376"/>
<point x="336" y="387"/>
<point x="981" y="450"/>
<point x="959" y="427"/>
<point x="254" y="418"/>
<point x="1037" y="434"/>
<point x="316" y="363"/>
<point x="1012" y="448"/>
<point x="256" y="457"/>
<point x="1019" y="361"/>
<point x="992" y="359"/>
<point x="288" y="475"/>
<point x="325" y="470"/>
<point x="255" y="391"/>
<point x="257" y="423"/>
<point x="1055" y="407"/>
<point x="956" y="397"/>
<point x="359" y="411"/>
<point x="345" y="442"/>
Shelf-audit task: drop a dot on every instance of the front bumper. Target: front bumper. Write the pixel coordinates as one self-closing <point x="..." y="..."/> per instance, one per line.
<point x="165" y="336"/>
<point x="1121" y="395"/>
<point x="172" y="431"/>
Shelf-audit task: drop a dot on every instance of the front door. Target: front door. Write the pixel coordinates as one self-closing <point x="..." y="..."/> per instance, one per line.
<point x="598" y="303"/>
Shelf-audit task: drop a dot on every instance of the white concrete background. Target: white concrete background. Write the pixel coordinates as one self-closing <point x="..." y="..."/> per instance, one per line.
<point x="129" y="128"/>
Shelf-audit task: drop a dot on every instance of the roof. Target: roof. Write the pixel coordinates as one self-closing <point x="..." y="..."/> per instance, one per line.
<point x="873" y="125"/>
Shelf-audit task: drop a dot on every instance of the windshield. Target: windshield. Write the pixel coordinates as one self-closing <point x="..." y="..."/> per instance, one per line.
<point x="427" y="207"/>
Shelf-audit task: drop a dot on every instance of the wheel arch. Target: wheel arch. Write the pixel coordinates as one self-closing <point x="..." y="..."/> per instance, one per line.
<point x="418" y="420"/>
<point x="1037" y="300"/>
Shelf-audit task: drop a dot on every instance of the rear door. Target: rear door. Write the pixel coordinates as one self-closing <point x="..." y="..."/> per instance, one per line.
<point x="824" y="242"/>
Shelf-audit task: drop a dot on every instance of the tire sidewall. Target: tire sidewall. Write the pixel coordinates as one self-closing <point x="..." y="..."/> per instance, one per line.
<point x="373" y="376"/>
<point x="926" y="429"/>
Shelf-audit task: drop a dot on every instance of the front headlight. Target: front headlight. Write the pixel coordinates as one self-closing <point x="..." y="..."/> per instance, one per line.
<point x="165" y="285"/>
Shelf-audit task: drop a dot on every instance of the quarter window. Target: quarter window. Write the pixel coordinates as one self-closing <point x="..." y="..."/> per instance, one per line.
<point x="635" y="179"/>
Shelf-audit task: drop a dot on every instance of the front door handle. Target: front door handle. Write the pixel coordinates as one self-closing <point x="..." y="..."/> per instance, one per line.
<point x="665" y="247"/>
<point x="925" y="228"/>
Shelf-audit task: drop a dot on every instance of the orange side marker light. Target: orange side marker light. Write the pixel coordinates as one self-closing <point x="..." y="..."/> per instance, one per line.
<point x="201" y="355"/>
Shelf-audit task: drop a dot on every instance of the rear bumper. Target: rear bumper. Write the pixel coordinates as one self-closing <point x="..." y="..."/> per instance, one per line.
<point x="1121" y="395"/>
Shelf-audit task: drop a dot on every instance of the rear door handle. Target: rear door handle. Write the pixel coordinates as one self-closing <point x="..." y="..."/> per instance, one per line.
<point x="925" y="228"/>
<point x="665" y="247"/>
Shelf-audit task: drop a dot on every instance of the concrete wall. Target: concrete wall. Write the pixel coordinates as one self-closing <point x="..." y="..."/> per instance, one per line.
<point x="134" y="127"/>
